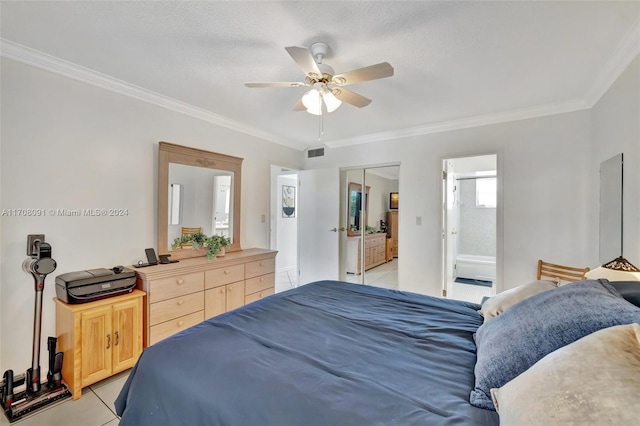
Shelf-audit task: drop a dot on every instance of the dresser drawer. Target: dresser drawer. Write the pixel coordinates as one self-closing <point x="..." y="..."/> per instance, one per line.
<point x="168" y="288"/>
<point x="221" y="276"/>
<point x="260" y="267"/>
<point x="176" y="307"/>
<point x="259" y="295"/>
<point x="256" y="284"/>
<point x="166" y="329"/>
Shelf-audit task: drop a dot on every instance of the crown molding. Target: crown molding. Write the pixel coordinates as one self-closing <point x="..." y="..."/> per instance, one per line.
<point x="484" y="120"/>
<point x="625" y="53"/>
<point x="35" y="58"/>
<point x="622" y="56"/>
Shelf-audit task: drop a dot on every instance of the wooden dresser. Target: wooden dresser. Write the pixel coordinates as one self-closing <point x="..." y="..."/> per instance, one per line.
<point x="180" y="295"/>
<point x="374" y="252"/>
<point x="392" y="224"/>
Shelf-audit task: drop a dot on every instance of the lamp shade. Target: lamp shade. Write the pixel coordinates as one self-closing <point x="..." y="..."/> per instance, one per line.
<point x="619" y="269"/>
<point x="331" y="101"/>
<point x="312" y="100"/>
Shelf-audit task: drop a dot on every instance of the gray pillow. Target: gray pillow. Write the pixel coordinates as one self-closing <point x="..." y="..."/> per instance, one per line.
<point x="594" y="380"/>
<point x="499" y="303"/>
<point x="512" y="342"/>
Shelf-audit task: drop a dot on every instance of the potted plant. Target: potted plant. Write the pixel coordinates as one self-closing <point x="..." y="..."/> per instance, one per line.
<point x="215" y="244"/>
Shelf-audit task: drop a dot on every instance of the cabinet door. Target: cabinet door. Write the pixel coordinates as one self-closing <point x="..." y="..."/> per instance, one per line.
<point x="215" y="301"/>
<point x="235" y="295"/>
<point x="97" y="344"/>
<point x="126" y="339"/>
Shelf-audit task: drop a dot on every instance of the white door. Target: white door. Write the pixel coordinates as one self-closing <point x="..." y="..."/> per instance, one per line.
<point x="318" y="223"/>
<point x="450" y="232"/>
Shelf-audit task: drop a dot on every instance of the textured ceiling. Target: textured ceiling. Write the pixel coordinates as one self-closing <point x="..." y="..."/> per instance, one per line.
<point x="454" y="61"/>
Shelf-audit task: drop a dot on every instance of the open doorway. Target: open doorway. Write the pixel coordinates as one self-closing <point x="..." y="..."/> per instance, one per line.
<point x="470" y="227"/>
<point x="284" y="226"/>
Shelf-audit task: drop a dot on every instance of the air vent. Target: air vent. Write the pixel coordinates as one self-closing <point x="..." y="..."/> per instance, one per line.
<point x="315" y="152"/>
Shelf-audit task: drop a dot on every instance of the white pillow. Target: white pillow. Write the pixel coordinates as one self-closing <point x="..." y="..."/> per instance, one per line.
<point x="592" y="381"/>
<point x="501" y="302"/>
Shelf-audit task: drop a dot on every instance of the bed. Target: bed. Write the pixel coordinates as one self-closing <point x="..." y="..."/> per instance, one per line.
<point x="334" y="353"/>
<point x="327" y="353"/>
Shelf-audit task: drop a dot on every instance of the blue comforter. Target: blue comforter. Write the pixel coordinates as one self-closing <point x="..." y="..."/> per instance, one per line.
<point x="327" y="353"/>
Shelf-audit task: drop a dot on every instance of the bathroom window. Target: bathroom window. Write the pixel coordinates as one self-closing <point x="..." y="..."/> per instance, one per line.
<point x="486" y="190"/>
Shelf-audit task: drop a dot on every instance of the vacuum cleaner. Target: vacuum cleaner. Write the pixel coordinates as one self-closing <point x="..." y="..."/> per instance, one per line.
<point x="34" y="396"/>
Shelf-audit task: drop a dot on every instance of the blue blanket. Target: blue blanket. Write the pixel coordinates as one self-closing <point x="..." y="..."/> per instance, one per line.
<point x="327" y="353"/>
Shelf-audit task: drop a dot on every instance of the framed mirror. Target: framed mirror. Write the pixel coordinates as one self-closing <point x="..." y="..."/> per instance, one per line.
<point x="357" y="218"/>
<point x="199" y="190"/>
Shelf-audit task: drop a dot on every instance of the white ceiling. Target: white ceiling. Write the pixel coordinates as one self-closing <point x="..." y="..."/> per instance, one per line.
<point x="457" y="64"/>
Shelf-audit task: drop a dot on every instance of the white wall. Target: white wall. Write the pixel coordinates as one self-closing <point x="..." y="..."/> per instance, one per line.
<point x="616" y="129"/>
<point x="542" y="165"/>
<point x="67" y="144"/>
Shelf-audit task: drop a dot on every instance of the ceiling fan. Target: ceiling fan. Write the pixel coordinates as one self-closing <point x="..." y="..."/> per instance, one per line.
<point x="327" y="86"/>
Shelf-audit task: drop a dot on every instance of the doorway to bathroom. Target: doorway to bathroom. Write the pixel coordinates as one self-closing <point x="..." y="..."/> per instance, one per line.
<point x="469" y="233"/>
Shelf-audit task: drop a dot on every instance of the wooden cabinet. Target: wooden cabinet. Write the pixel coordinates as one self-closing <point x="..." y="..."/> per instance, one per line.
<point x="374" y="252"/>
<point x="392" y="224"/>
<point x="389" y="249"/>
<point x="99" y="338"/>
<point x="183" y="294"/>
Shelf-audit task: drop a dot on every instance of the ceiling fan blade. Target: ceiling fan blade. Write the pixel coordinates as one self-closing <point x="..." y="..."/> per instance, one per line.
<point x="350" y="97"/>
<point x="277" y="84"/>
<point x="303" y="58"/>
<point x="372" y="72"/>
<point x="300" y="106"/>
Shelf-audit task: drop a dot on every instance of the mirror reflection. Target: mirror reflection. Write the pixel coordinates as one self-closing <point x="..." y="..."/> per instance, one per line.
<point x="611" y="208"/>
<point x="357" y="219"/>
<point x="200" y="198"/>
<point x="175" y="203"/>
<point x="199" y="190"/>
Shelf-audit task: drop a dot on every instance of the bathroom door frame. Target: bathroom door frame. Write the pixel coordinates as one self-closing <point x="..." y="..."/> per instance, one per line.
<point x="446" y="246"/>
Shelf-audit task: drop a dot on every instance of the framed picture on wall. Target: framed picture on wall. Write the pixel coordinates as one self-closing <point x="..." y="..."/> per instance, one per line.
<point x="393" y="200"/>
<point x="288" y="201"/>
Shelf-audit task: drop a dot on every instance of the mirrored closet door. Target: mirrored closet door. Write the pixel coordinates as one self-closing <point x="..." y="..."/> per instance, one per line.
<point x="371" y="251"/>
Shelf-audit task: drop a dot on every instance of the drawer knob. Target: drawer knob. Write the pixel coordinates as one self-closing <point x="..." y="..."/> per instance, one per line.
<point x="180" y="281"/>
<point x="180" y="323"/>
<point x="222" y="291"/>
<point x="180" y="302"/>
<point x="261" y="263"/>
<point x="261" y="279"/>
<point x="227" y="272"/>
<point x="230" y="288"/>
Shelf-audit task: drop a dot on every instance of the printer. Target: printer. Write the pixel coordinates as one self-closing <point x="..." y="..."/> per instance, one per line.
<point x="94" y="284"/>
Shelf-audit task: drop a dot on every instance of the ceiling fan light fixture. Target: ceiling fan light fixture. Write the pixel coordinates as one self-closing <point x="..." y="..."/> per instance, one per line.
<point x="331" y="101"/>
<point x="312" y="100"/>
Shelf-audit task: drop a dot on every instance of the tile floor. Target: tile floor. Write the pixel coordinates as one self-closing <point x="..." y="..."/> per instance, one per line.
<point x="95" y="408"/>
<point x="385" y="275"/>
<point x="469" y="292"/>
